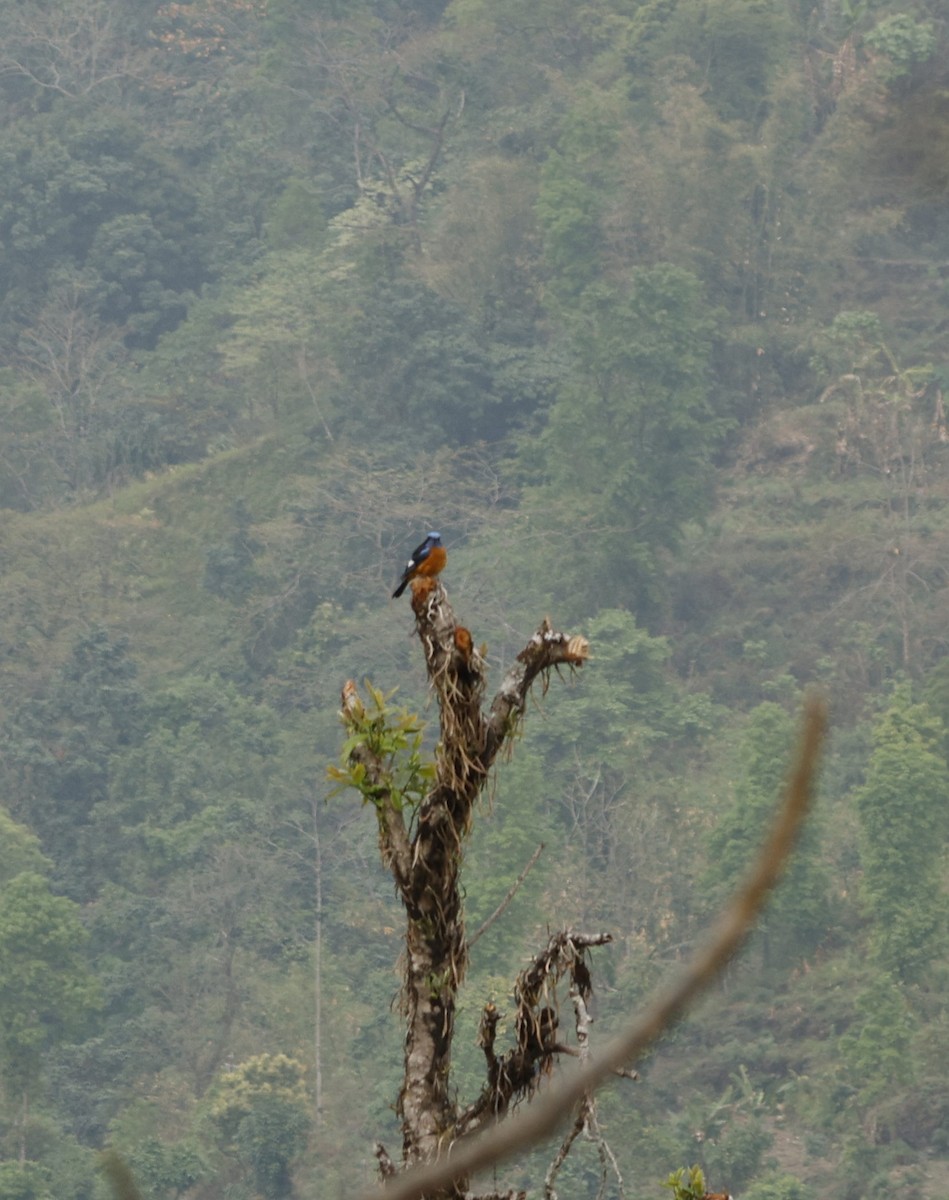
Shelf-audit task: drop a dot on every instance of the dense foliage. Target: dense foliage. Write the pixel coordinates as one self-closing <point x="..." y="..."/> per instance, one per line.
<point x="642" y="303"/>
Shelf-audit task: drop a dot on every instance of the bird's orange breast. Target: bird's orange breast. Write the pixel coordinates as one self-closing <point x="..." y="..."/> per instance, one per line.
<point x="433" y="562"/>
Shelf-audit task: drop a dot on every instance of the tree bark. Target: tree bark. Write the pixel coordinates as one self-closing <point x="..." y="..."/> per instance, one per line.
<point x="425" y="856"/>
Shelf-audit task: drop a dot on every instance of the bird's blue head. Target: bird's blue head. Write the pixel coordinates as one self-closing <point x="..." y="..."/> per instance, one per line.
<point x="434" y="538"/>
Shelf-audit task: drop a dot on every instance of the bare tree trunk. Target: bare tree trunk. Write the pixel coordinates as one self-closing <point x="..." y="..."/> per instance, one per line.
<point x="317" y="967"/>
<point x="24" y="1114"/>
<point x="425" y="853"/>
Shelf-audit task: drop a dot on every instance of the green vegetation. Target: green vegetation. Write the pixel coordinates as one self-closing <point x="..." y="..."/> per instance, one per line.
<point x="642" y="303"/>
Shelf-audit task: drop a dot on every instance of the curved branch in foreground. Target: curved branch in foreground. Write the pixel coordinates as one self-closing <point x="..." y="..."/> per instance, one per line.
<point x="663" y="1011"/>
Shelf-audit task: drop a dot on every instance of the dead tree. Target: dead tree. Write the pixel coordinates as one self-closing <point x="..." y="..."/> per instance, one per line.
<point x="424" y="813"/>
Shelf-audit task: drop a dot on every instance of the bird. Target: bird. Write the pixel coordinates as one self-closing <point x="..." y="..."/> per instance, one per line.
<point x="427" y="561"/>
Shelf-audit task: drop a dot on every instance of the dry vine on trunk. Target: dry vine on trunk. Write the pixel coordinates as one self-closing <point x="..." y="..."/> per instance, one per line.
<point x="424" y="812"/>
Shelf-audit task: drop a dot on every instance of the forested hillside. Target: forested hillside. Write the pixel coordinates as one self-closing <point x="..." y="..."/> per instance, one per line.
<point x="644" y="306"/>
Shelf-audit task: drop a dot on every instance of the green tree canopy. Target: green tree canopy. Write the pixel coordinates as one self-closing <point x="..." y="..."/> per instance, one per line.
<point x="46" y="990"/>
<point x="904" y="817"/>
<point x="629" y="443"/>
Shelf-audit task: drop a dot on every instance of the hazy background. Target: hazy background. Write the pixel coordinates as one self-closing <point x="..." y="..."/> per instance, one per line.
<point x="644" y="307"/>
